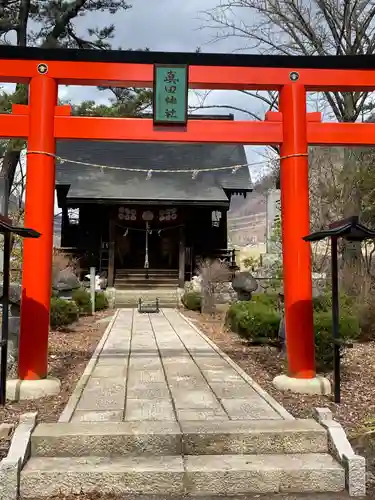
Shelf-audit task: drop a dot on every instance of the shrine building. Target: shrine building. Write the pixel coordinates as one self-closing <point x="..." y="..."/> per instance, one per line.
<point x="155" y="225"/>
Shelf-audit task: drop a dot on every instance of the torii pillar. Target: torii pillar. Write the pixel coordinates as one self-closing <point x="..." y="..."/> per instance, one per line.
<point x="295" y="220"/>
<point x="37" y="253"/>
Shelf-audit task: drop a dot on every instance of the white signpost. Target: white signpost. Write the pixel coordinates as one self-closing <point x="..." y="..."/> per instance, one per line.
<point x="273" y="213"/>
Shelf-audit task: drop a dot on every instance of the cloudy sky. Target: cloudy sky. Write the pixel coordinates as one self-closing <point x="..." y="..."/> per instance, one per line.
<point x="173" y="26"/>
<point x="168" y="25"/>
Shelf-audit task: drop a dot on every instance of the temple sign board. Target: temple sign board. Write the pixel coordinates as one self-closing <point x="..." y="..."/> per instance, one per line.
<point x="170" y="105"/>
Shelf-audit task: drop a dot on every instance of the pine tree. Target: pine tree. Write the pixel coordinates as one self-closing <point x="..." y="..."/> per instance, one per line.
<point x="50" y="24"/>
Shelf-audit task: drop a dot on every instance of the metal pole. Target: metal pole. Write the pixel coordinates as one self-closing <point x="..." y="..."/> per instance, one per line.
<point x="92" y="288"/>
<point x="5" y="301"/>
<point x="5" y="319"/>
<point x="335" y="321"/>
<point x="147" y="264"/>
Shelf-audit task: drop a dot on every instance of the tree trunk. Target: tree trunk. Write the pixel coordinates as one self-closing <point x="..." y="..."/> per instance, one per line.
<point x="351" y="254"/>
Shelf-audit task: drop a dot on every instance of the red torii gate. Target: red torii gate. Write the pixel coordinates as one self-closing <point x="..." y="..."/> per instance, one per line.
<point x="42" y="121"/>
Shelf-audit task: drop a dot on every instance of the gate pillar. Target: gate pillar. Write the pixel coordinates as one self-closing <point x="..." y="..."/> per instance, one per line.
<point x="39" y="214"/>
<point x="295" y="220"/>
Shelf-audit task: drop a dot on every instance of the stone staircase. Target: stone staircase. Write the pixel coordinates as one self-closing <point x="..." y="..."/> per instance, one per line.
<point x="168" y="297"/>
<point x="130" y="279"/>
<point x="213" y="457"/>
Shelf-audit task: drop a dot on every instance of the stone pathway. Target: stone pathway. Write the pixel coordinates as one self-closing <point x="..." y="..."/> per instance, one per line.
<point x="159" y="367"/>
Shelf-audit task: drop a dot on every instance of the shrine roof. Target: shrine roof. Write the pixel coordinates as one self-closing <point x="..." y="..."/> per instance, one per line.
<point x="92" y="183"/>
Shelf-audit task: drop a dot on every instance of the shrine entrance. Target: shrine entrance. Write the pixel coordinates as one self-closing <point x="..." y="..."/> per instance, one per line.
<point x="293" y="129"/>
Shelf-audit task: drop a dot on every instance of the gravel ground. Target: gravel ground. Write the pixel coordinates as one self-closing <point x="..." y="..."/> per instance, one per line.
<point x="263" y="363"/>
<point x="70" y="349"/>
<point x="325" y="496"/>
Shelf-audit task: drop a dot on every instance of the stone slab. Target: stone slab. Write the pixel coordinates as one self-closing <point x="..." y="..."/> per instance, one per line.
<point x="146" y="376"/>
<point x="107" y="439"/>
<point x="233" y="389"/>
<point x="194" y="399"/>
<point x="217" y="375"/>
<point x="103" y="394"/>
<point x="113" y="360"/>
<point x="147" y="359"/>
<point x="248" y="409"/>
<point x="9" y="479"/>
<point x="241" y="474"/>
<point x="98" y="416"/>
<point x="149" y="409"/>
<point x="201" y="414"/>
<point x="253" y="437"/>
<point x="116" y="476"/>
<point x="153" y="390"/>
<point x="111" y="371"/>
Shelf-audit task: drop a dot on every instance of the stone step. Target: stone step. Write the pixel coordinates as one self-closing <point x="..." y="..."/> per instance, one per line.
<point x="146" y="293"/>
<point x="177" y="475"/>
<point x="167" y="438"/>
<point x="134" y="285"/>
<point x="163" y="305"/>
<point x="142" y="277"/>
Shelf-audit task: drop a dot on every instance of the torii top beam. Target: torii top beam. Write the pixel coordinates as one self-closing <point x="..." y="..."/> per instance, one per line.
<point x="135" y="69"/>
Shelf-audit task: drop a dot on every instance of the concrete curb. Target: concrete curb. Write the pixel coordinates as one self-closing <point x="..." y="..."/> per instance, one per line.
<point x="11" y="465"/>
<point x="257" y="388"/>
<point x="354" y="465"/>
<point x="77" y="393"/>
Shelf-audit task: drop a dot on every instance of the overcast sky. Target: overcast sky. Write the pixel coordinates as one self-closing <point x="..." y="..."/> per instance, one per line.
<point x="173" y="26"/>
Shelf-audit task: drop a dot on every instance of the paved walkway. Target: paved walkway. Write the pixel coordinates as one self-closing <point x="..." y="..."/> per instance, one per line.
<point x="159" y="367"/>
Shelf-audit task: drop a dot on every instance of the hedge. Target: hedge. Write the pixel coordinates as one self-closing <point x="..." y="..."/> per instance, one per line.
<point x="349" y="330"/>
<point x="63" y="312"/>
<point x="101" y="301"/>
<point x="256" y="320"/>
<point x="322" y="303"/>
<point x="253" y="320"/>
<point x="192" y="301"/>
<point x="82" y="298"/>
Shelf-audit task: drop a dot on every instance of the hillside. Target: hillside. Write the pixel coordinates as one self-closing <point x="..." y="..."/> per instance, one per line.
<point x="247" y="217"/>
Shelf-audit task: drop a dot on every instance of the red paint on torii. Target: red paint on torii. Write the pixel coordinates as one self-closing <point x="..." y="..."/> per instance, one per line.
<point x="42" y="122"/>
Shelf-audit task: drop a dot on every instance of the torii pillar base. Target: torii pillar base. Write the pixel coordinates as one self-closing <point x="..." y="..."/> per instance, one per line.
<point x="20" y="390"/>
<point x="316" y="385"/>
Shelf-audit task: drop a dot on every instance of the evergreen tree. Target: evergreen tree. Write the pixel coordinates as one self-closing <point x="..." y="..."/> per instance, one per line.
<point x="50" y="24"/>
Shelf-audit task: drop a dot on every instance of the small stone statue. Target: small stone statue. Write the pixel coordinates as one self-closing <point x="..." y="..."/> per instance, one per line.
<point x="66" y="283"/>
<point x="244" y="284"/>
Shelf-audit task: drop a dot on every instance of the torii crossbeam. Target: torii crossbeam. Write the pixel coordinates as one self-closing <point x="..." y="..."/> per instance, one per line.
<point x="42" y="122"/>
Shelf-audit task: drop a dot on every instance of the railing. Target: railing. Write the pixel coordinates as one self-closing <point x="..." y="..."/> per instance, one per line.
<point x="227" y="255"/>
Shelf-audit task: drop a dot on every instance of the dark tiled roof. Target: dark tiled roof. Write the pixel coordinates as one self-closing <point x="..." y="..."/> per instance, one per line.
<point x="88" y="182"/>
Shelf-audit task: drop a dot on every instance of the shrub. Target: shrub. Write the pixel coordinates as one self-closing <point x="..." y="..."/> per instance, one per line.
<point x="253" y="320"/>
<point x="83" y="300"/>
<point x="349" y="330"/>
<point x="101" y="301"/>
<point x="214" y="274"/>
<point x="266" y="299"/>
<point x="63" y="312"/>
<point x="192" y="301"/>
